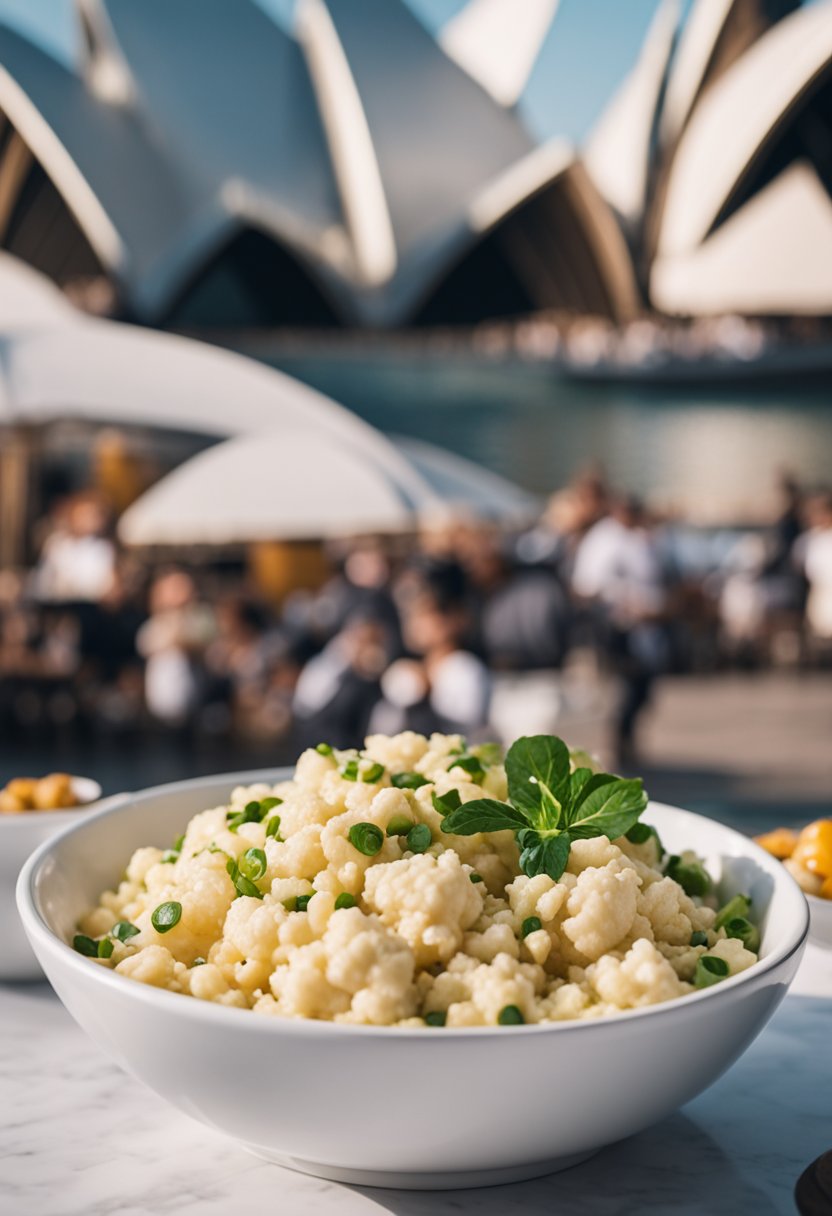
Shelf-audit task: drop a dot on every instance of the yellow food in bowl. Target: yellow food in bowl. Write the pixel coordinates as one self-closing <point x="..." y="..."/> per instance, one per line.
<point x="343" y="895"/>
<point x="807" y="855"/>
<point x="52" y="793"/>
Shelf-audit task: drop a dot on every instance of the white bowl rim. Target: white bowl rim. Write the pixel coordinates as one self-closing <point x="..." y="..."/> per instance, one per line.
<point x="222" y="1015"/>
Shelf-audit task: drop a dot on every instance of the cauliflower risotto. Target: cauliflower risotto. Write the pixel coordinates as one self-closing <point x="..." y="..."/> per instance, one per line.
<point x="342" y="895"/>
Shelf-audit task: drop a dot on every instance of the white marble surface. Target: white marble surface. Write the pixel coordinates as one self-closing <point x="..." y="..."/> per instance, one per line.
<point x="79" y="1138"/>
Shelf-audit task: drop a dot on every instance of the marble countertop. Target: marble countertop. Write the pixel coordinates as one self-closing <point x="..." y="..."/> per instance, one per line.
<point x="80" y="1138"/>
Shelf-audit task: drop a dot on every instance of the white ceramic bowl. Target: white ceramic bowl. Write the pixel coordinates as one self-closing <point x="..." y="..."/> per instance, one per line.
<point x="20" y="835"/>
<point x="820" y="921"/>
<point x="416" y="1108"/>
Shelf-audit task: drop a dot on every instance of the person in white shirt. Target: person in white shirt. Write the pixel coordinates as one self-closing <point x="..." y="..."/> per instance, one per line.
<point x="813" y="555"/>
<point x="618" y="568"/>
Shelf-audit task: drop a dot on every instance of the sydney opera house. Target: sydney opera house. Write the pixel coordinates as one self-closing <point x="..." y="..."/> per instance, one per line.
<point x="356" y="171"/>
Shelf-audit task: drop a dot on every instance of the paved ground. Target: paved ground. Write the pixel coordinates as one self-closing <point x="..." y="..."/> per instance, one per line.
<point x="755" y="749"/>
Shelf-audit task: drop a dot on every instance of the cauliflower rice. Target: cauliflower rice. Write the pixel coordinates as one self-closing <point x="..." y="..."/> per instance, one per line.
<point x="434" y="935"/>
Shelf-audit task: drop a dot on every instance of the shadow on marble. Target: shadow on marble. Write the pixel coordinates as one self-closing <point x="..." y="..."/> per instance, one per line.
<point x="675" y="1166"/>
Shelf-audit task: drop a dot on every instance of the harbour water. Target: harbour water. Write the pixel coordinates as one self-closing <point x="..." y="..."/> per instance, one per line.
<point x="712" y="453"/>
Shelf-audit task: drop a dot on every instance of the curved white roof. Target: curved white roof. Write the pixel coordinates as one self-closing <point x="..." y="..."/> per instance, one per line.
<point x="486" y="39"/>
<point x="774" y="255"/>
<point x="735" y="118"/>
<point x="29" y="299"/>
<point x="617" y="153"/>
<point x="697" y="41"/>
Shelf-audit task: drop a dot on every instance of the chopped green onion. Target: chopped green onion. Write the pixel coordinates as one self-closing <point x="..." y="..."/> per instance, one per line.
<point x="419" y="838"/>
<point x="740" y="905"/>
<point x="475" y="877"/>
<point x="399" y="825"/>
<point x="345" y="900"/>
<point x="268" y="804"/>
<point x="742" y="928"/>
<point x="273" y="827"/>
<point x="199" y="961"/>
<point x="177" y="844"/>
<point x="252" y="864"/>
<point x="438" y="1018"/>
<point x="367" y="838"/>
<point x="252" y="812"/>
<point x="530" y="925"/>
<point x="510" y="1015"/>
<point x="445" y="803"/>
<point x="691" y="876"/>
<point x="87" y="946"/>
<point x="372" y="774"/>
<point x="349" y="771"/>
<point x="699" y="938"/>
<point x="302" y="903"/>
<point x="242" y="884"/>
<point x="169" y="857"/>
<point x="105" y="947"/>
<point x="710" y="969"/>
<point x="408" y="781"/>
<point x="458" y="751"/>
<point x="123" y="930"/>
<point x="166" y="916"/>
<point x="324" y="749"/>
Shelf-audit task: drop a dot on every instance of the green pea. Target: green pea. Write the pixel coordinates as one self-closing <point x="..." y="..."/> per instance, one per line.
<point x="408" y="781"/>
<point x="399" y="825"/>
<point x="324" y="749"/>
<point x="345" y="900"/>
<point x="419" y="838"/>
<point x="691" y="876"/>
<point x="530" y="925"/>
<point x="510" y="1015"/>
<point x="710" y="970"/>
<point x="166" y="916"/>
<point x="367" y="838"/>
<point x="438" y="1018"/>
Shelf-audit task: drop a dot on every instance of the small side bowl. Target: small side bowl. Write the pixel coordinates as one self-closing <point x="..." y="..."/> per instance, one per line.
<point x="20" y="835"/>
<point x="435" y="1108"/>
<point x="820" y="921"/>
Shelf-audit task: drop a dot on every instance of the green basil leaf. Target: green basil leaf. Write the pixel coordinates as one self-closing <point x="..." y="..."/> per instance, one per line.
<point x="608" y="807"/>
<point x="483" y="815"/>
<point x="578" y="782"/>
<point x="537" y="769"/>
<point x="543" y="854"/>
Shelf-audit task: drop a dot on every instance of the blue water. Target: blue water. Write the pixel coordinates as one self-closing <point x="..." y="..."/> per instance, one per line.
<point x="712" y="453"/>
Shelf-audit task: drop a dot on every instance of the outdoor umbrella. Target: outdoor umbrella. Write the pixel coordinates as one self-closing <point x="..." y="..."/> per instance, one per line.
<point x="296" y="484"/>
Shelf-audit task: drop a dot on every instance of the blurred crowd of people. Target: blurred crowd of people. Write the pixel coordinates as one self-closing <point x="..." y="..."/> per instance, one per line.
<point x="462" y="628"/>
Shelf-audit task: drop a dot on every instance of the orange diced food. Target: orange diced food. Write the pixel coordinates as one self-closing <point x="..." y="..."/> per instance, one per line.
<point x="814" y="848"/>
<point x="781" y="843"/>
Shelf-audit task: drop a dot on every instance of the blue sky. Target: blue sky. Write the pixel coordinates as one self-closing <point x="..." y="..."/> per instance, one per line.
<point x="592" y="45"/>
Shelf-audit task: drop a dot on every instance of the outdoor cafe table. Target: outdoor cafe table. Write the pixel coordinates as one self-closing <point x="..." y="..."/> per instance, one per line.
<point x="78" y="1137"/>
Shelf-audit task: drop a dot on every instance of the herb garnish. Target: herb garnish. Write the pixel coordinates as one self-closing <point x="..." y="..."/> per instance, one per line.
<point x="124" y="930"/>
<point x="243" y="885"/>
<point x="166" y="916"/>
<point x="408" y="781"/>
<point x="367" y="838"/>
<point x="549" y="805"/>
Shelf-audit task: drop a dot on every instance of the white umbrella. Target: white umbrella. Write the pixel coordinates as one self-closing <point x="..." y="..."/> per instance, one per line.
<point x="298" y="485"/>
<point x="462" y="485"/>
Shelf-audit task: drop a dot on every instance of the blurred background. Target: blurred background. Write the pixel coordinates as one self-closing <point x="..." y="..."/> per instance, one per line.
<point x="370" y="365"/>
